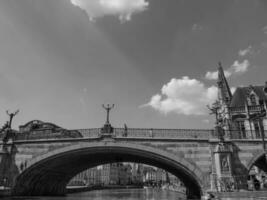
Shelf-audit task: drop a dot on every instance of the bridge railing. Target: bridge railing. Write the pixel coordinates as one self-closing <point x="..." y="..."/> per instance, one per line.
<point x="118" y="132"/>
<point x="163" y="133"/>
<point x="140" y="133"/>
<point x="55" y="134"/>
<point x="89" y="133"/>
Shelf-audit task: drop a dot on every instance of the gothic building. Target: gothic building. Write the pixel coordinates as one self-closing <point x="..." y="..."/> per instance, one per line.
<point x="242" y="113"/>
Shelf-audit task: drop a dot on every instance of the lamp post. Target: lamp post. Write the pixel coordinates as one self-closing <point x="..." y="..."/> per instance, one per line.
<point x="107" y="129"/>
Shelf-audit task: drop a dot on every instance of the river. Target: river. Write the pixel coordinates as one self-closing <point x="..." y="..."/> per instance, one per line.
<point x="119" y="194"/>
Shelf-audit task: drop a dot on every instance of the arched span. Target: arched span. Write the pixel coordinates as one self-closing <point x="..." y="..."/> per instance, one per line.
<point x="48" y="174"/>
<point x="258" y="159"/>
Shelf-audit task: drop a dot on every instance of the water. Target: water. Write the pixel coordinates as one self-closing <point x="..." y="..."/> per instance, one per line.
<point x="118" y="194"/>
<point x="121" y="194"/>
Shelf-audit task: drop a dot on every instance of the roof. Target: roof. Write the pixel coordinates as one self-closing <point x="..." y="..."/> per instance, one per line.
<point x="225" y="92"/>
<point x="240" y="96"/>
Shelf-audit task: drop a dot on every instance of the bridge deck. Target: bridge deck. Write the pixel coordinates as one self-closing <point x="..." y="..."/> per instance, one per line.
<point x="182" y="134"/>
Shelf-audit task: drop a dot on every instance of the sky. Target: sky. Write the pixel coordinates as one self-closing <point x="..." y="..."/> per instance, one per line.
<point x="155" y="60"/>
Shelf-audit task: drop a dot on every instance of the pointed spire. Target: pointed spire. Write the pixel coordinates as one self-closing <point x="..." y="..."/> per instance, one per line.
<point x="224" y="92"/>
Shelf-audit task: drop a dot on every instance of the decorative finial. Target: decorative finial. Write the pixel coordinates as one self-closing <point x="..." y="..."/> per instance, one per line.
<point x="107" y="108"/>
<point x="11" y="116"/>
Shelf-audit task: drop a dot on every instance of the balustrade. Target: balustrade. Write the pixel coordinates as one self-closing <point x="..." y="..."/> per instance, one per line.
<point x="242" y="109"/>
<point x="163" y="133"/>
<point x="89" y="133"/>
<point x="237" y="109"/>
<point x="119" y="132"/>
<point x="141" y="133"/>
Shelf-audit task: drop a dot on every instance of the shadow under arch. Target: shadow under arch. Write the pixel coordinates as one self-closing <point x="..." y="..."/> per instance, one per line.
<point x="258" y="159"/>
<point x="49" y="174"/>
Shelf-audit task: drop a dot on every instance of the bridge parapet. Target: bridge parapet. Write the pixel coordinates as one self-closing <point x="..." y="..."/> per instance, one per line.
<point x="164" y="133"/>
<point x="90" y="132"/>
<point x="119" y="132"/>
<point x="138" y="133"/>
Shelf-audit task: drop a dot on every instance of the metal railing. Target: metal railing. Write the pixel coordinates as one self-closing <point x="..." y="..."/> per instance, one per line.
<point x="163" y="133"/>
<point x="118" y="133"/>
<point x="242" y="109"/>
<point x="140" y="133"/>
<point x="89" y="133"/>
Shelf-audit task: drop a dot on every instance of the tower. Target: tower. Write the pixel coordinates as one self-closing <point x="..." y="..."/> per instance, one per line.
<point x="224" y="92"/>
<point x="224" y="100"/>
<point x="222" y="172"/>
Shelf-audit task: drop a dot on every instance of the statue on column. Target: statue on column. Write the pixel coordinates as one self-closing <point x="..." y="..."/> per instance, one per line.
<point x="107" y="129"/>
<point x="7" y="128"/>
<point x="108" y="108"/>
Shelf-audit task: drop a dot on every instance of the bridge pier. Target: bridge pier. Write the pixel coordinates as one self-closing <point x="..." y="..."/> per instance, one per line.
<point x="223" y="166"/>
<point x="8" y="168"/>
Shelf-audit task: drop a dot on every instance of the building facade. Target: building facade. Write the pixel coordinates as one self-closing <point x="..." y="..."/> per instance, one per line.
<point x="241" y="116"/>
<point x="242" y="113"/>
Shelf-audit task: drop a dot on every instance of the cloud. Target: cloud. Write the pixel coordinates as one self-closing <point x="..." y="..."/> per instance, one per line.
<point x="197" y="27"/>
<point x="239" y="67"/>
<point x="264" y="29"/>
<point x="206" y="121"/>
<point x="124" y="9"/>
<point x="236" y="68"/>
<point x="244" y="52"/>
<point x="184" y="96"/>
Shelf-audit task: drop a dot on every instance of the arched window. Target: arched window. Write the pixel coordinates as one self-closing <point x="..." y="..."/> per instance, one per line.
<point x="253" y="99"/>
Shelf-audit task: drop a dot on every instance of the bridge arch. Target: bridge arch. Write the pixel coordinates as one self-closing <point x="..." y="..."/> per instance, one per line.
<point x="258" y="159"/>
<point x="49" y="174"/>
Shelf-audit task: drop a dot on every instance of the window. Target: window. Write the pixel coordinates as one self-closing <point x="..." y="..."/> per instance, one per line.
<point x="241" y="129"/>
<point x="257" y="129"/>
<point x="253" y="100"/>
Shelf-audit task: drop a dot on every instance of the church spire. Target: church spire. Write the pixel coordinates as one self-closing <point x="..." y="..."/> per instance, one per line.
<point x="224" y="92"/>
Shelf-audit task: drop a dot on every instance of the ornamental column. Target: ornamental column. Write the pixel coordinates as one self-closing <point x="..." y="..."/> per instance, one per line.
<point x="223" y="167"/>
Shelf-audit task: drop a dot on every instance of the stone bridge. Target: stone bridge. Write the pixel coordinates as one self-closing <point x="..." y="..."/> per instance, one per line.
<point x="43" y="157"/>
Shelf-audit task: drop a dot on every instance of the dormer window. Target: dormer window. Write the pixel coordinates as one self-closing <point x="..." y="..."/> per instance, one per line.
<point x="253" y="100"/>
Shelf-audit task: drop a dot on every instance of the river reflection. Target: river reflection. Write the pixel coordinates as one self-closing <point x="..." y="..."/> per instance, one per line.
<point x="132" y="194"/>
<point x="122" y="194"/>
